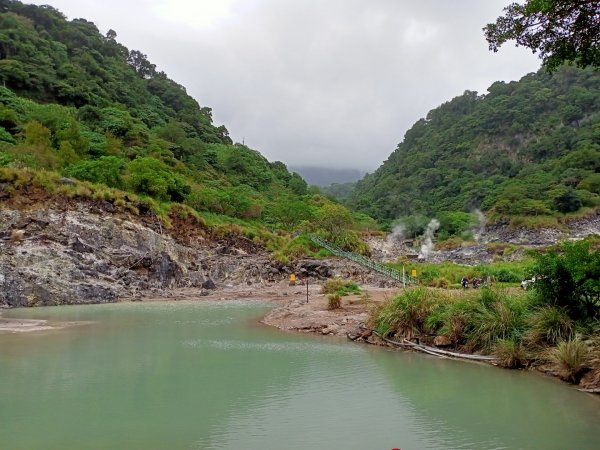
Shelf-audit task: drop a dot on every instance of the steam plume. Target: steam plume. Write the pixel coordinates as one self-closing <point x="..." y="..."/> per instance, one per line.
<point x="427" y="246"/>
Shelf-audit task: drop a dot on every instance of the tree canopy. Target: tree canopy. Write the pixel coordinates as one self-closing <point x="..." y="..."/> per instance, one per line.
<point x="82" y="105"/>
<point x="560" y="30"/>
<point x="529" y="148"/>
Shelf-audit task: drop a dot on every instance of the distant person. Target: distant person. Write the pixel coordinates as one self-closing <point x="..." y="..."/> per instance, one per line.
<point x="464" y="282"/>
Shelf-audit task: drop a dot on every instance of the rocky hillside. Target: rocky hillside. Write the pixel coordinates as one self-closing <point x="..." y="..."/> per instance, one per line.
<point x="62" y="251"/>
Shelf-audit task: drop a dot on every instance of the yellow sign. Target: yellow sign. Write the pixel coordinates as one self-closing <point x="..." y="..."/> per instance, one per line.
<point x="292" y="279"/>
<point x="413" y="273"/>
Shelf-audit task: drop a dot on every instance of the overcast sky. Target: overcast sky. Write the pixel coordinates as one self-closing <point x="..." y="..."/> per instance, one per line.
<point x="315" y="82"/>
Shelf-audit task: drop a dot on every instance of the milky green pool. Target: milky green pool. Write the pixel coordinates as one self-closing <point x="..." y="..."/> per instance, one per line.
<point x="206" y="375"/>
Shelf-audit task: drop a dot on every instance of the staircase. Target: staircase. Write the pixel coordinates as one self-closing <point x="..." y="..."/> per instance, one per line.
<point x="365" y="262"/>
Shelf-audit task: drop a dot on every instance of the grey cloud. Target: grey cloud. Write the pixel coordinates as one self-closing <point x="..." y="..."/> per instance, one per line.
<point x="311" y="82"/>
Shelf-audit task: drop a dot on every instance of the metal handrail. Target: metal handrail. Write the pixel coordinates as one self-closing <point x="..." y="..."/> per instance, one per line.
<point x="365" y="262"/>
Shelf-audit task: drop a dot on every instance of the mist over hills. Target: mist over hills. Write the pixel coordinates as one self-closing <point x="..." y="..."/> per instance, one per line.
<point x="324" y="176"/>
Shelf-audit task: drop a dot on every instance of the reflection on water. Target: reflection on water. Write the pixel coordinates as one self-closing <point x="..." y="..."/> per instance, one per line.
<point x="205" y="376"/>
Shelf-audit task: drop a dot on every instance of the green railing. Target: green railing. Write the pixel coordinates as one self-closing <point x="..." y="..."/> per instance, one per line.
<point x="365" y="262"/>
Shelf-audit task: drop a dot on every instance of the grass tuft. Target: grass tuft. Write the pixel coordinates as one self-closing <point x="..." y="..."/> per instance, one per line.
<point x="549" y="325"/>
<point x="510" y="353"/>
<point x="406" y="314"/>
<point x="570" y="357"/>
<point x="496" y="321"/>
<point x="334" y="301"/>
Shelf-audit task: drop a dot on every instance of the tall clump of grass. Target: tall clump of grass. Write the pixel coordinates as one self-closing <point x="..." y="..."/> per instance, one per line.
<point x="454" y="318"/>
<point x="549" y="325"/>
<point x="405" y="314"/>
<point x="570" y="358"/>
<point x="498" y="317"/>
<point x="510" y="353"/>
<point x="334" y="301"/>
<point x="488" y="296"/>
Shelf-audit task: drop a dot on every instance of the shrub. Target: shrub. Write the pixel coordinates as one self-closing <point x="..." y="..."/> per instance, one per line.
<point x="348" y="240"/>
<point x="454" y="319"/>
<point x="570" y="280"/>
<point x="208" y="199"/>
<point x="5" y="159"/>
<point x="549" y="324"/>
<point x="334" y="301"/>
<point x="151" y="176"/>
<point x="488" y="296"/>
<point x="340" y="287"/>
<point x="566" y="200"/>
<point x="349" y="288"/>
<point x="506" y="276"/>
<point x="5" y="136"/>
<point x="105" y="170"/>
<point x="570" y="357"/>
<point x="331" y="286"/>
<point x="289" y="213"/>
<point x="440" y="282"/>
<point x="455" y="223"/>
<point x="450" y="243"/>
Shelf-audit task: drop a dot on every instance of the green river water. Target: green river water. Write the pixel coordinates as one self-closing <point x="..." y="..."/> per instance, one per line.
<point x="206" y="375"/>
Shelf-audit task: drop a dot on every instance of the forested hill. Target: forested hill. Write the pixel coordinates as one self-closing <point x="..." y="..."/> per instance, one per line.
<point x="83" y="117"/>
<point x="49" y="59"/>
<point x="526" y="148"/>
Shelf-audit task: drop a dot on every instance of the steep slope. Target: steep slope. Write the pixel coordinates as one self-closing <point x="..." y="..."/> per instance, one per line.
<point x="49" y="59"/>
<point x="82" y="116"/>
<point x="526" y="148"/>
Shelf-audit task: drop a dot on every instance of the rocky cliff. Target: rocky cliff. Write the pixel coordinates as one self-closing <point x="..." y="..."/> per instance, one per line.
<point x="86" y="253"/>
<point x="54" y="252"/>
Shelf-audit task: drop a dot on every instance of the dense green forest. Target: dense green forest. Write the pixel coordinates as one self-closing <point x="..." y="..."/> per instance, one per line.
<point x="77" y="104"/>
<point x="526" y="150"/>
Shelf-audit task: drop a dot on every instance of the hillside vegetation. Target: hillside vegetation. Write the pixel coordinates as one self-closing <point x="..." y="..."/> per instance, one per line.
<point x="80" y="105"/>
<point x="527" y="151"/>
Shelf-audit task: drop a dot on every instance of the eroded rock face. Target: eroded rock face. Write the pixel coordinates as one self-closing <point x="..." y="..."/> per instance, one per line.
<point x="86" y="256"/>
<point x="77" y="256"/>
<point x="50" y="256"/>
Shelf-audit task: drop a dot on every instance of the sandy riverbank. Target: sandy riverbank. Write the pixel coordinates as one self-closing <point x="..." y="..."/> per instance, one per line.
<point x="14" y="325"/>
<point x="8" y="325"/>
